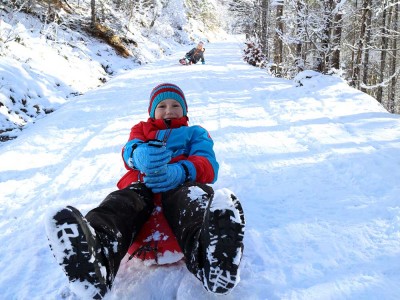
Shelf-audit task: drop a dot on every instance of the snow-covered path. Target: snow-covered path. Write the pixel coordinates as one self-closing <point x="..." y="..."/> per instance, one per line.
<point x="316" y="167"/>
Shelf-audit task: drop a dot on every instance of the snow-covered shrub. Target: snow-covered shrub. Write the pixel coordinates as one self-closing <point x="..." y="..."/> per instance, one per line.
<point x="253" y="55"/>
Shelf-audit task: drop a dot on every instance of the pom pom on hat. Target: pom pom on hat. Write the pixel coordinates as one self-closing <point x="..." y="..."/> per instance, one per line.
<point x="165" y="91"/>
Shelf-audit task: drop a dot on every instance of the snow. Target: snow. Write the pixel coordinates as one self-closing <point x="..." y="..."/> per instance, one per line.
<point x="222" y="200"/>
<point x="316" y="166"/>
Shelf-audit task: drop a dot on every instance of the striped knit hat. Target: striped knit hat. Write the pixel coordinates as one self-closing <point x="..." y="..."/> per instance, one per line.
<point x="166" y="91"/>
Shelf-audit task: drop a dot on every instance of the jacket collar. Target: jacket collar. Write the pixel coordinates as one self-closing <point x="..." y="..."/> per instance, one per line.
<point x="173" y="123"/>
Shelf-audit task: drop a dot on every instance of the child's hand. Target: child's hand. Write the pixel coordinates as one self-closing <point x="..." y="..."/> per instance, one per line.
<point x="151" y="159"/>
<point x="165" y="181"/>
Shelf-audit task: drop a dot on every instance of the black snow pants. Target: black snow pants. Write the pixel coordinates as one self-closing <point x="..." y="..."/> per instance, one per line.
<point x="121" y="215"/>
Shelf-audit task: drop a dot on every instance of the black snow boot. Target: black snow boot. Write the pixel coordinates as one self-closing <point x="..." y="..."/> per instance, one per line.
<point x="221" y="243"/>
<point x="79" y="252"/>
<point x="209" y="228"/>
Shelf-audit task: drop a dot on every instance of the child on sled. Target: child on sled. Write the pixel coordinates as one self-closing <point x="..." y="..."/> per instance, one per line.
<point x="194" y="55"/>
<point x="165" y="158"/>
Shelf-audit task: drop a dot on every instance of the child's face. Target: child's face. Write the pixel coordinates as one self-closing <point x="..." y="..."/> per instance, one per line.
<point x="168" y="109"/>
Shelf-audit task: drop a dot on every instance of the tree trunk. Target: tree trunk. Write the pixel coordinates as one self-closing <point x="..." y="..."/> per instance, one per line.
<point x="93" y="12"/>
<point x="367" y="42"/>
<point x="352" y="65"/>
<point x="337" y="38"/>
<point x="264" y="27"/>
<point x="299" y="61"/>
<point x="278" y="53"/>
<point x="392" y="87"/>
<point x="384" y="40"/>
<point x="360" y="47"/>
<point x="326" y="37"/>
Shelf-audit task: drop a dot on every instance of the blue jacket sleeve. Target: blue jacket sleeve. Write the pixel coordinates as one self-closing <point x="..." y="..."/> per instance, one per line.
<point x="202" y="156"/>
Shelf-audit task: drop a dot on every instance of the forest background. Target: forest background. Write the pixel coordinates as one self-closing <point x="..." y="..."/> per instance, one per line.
<point x="357" y="39"/>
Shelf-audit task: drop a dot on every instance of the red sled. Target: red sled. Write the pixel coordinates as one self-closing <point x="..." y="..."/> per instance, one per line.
<point x="183" y="62"/>
<point x="156" y="243"/>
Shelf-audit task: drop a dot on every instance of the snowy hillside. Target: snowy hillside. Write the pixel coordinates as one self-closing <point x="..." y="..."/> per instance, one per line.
<point x="316" y="166"/>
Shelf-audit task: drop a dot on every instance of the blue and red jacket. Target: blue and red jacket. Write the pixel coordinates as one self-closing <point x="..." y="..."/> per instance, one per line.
<point x="190" y="145"/>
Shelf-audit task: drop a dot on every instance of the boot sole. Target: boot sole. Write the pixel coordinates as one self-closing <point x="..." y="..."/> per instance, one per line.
<point x="80" y="257"/>
<point x="221" y="275"/>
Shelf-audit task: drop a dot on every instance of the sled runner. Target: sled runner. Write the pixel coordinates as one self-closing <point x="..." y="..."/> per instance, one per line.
<point x="155" y="242"/>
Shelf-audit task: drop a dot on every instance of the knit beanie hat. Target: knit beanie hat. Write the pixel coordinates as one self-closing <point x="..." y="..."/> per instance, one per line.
<point x="166" y="91"/>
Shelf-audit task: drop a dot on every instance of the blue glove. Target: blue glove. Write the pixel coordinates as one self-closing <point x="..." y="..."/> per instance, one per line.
<point x="203" y="62"/>
<point x="168" y="180"/>
<point x="151" y="157"/>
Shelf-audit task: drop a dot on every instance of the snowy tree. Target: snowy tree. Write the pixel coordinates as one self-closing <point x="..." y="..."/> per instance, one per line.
<point x="278" y="43"/>
<point x="384" y="50"/>
<point x="393" y="87"/>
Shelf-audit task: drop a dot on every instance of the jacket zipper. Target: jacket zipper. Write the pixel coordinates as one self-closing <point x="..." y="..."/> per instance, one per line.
<point x="168" y="132"/>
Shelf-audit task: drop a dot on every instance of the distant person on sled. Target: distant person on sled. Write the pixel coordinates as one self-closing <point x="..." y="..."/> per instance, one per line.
<point x="194" y="55"/>
<point x="168" y="160"/>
